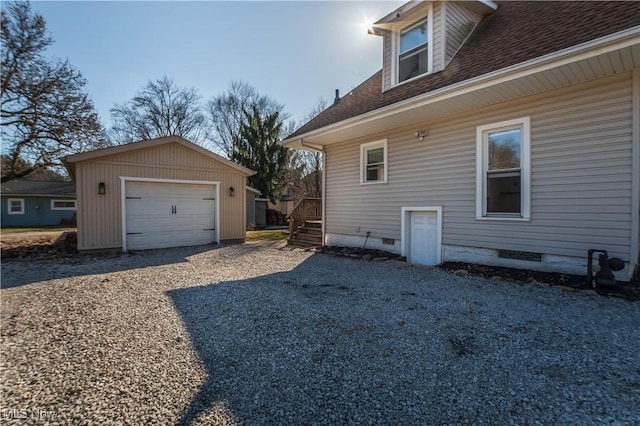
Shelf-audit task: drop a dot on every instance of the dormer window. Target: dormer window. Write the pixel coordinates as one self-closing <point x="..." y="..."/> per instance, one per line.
<point x="412" y="45"/>
<point x="413" y="58"/>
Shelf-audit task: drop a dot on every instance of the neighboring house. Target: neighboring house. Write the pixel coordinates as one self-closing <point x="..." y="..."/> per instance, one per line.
<point x="164" y="192"/>
<point x="502" y="133"/>
<point x="284" y="205"/>
<point x="38" y="203"/>
<point x="256" y="209"/>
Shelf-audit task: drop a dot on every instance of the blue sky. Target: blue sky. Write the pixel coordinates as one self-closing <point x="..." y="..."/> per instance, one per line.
<point x="293" y="51"/>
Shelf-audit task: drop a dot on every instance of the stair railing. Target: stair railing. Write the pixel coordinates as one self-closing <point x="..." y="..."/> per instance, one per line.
<point x="304" y="210"/>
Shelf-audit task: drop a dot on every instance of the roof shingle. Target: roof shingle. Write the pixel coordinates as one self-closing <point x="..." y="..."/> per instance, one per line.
<point x="45" y="188"/>
<point x="516" y="32"/>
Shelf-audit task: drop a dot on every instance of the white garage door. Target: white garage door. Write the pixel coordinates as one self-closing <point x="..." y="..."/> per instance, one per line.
<point x="169" y="214"/>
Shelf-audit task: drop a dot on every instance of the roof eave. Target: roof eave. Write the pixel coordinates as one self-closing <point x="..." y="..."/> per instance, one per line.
<point x="393" y="19"/>
<point x="69" y="161"/>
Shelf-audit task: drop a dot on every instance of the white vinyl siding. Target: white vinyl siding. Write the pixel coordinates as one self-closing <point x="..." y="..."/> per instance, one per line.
<point x="63" y="204"/>
<point x="580" y="175"/>
<point x="15" y="206"/>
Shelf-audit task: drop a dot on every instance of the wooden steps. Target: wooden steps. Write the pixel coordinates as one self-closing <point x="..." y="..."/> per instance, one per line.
<point x="305" y="223"/>
<point x="309" y="234"/>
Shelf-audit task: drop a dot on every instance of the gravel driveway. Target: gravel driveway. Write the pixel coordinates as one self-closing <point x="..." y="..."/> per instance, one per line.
<point x="248" y="334"/>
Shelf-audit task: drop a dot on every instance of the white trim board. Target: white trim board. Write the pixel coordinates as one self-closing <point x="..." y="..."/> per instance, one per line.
<point x="123" y="206"/>
<point x="635" y="167"/>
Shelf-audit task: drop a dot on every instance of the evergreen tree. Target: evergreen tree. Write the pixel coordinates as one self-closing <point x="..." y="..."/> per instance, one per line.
<point x="257" y="147"/>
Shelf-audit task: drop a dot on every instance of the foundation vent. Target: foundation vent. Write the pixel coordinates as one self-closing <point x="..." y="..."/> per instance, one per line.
<point x="520" y="255"/>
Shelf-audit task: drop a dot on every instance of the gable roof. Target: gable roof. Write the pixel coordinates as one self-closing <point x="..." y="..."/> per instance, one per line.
<point x="27" y="188"/>
<point x="516" y="32"/>
<point x="70" y="160"/>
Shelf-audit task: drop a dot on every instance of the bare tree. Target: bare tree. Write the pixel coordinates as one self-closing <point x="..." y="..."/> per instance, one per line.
<point x="226" y="114"/>
<point x="45" y="112"/>
<point x="305" y="167"/>
<point x="161" y="108"/>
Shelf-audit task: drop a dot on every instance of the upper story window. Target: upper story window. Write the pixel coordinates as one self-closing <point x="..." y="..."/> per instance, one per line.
<point x="373" y="162"/>
<point x="413" y="57"/>
<point x="503" y="170"/>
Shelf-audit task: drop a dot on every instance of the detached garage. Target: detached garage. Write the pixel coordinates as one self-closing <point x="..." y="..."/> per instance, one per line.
<point x="158" y="193"/>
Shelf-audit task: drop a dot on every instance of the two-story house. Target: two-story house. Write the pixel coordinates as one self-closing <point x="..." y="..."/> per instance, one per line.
<point x="502" y="133"/>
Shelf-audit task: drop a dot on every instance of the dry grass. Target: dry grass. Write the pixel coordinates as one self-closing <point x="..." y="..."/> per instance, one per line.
<point x="266" y="235"/>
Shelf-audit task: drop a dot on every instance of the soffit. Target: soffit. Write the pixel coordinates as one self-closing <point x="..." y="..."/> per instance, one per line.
<point x="477" y="94"/>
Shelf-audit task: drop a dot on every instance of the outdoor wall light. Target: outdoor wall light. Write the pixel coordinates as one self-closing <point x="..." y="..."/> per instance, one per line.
<point x="232" y="191"/>
<point x="420" y="134"/>
<point x="101" y="188"/>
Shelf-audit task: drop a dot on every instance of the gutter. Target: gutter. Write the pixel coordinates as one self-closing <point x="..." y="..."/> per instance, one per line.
<point x="311" y="147"/>
<point x="602" y="45"/>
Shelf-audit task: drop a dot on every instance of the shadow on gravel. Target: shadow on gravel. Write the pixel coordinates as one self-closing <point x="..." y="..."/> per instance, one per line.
<point x="336" y="342"/>
<point x="20" y="272"/>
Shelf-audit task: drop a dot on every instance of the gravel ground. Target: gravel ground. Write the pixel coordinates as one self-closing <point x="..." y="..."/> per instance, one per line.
<point x="249" y="334"/>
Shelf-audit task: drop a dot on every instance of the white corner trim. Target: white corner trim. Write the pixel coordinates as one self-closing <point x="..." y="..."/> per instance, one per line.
<point x="405" y="228"/>
<point x="324" y="197"/>
<point x="123" y="199"/>
<point x="635" y="167"/>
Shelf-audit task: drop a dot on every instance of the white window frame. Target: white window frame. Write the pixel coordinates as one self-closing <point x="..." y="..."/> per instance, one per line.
<point x="482" y="152"/>
<point x="395" y="48"/>
<point x="364" y="148"/>
<point x="20" y="200"/>
<point x="53" y="205"/>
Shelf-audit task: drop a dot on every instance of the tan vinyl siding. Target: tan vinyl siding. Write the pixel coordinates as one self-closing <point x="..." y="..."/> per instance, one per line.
<point x="386" y="61"/>
<point x="99" y="216"/>
<point x="581" y="175"/>
<point x="459" y="23"/>
<point x="438" y="60"/>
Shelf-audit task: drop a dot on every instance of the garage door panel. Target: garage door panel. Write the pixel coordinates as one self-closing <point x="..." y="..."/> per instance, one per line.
<point x="165" y="240"/>
<point x="169" y="214"/>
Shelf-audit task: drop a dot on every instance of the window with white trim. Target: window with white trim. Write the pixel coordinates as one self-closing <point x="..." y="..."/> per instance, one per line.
<point x="15" y="206"/>
<point x="503" y="170"/>
<point x="63" y="204"/>
<point x="413" y="58"/>
<point x="373" y="162"/>
<point x="412" y="48"/>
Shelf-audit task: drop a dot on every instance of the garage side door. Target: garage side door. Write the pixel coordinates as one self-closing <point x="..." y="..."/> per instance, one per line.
<point x="162" y="215"/>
